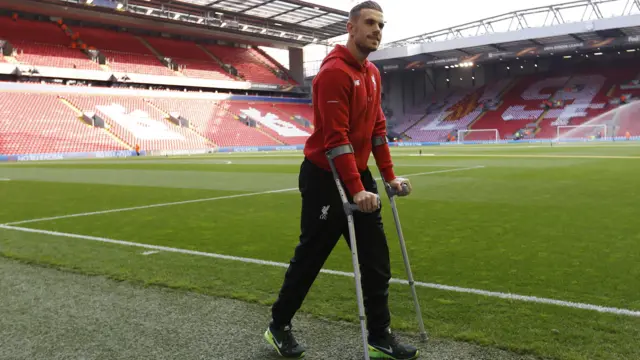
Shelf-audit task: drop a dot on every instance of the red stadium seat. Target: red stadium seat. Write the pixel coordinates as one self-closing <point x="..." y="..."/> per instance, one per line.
<point x="246" y="63"/>
<point x="135" y="121"/>
<point x="41" y="123"/>
<point x="212" y="120"/>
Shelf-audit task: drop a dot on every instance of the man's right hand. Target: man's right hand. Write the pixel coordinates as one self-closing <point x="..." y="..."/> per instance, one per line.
<point x="366" y="201"/>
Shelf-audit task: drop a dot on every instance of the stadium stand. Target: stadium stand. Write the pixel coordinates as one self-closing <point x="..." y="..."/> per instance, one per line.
<point x="302" y="114"/>
<point x="212" y="120"/>
<point x="144" y="121"/>
<point x="248" y="65"/>
<point x="443" y="119"/>
<point x="520" y="105"/>
<point x="137" y="122"/>
<point x="124" y="52"/>
<point x="563" y="74"/>
<point x="411" y="117"/>
<point x="192" y="59"/>
<point x="43" y="43"/>
<point x="270" y="63"/>
<point x="41" y="123"/>
<point x="51" y="43"/>
<point x="519" y="108"/>
<point x="529" y="106"/>
<point x="267" y="117"/>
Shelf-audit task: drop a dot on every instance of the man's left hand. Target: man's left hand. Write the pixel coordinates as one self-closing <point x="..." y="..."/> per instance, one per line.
<point x="397" y="183"/>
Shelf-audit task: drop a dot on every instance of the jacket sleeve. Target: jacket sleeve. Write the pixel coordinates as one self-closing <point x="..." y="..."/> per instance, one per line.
<point x="334" y="96"/>
<point x="381" y="153"/>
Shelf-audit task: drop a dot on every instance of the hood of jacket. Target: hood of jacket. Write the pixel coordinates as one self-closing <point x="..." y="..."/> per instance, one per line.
<point x="342" y="53"/>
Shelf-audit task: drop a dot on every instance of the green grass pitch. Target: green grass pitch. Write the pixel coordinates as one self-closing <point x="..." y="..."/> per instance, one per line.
<point x="555" y="222"/>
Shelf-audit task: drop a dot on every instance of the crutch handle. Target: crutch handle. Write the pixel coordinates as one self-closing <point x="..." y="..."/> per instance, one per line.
<point x="354" y="207"/>
<point x="391" y="192"/>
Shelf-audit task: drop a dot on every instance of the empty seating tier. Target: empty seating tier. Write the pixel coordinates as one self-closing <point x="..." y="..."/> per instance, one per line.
<point x="246" y="64"/>
<point x="43" y="44"/>
<point x="136" y="122"/>
<point x="212" y="120"/>
<point x="41" y="123"/>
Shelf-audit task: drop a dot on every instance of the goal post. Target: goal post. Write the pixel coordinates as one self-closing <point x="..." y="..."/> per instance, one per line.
<point x="581" y="131"/>
<point x="481" y="135"/>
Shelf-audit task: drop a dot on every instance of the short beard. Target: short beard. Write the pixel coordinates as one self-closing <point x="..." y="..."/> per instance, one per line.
<point x="364" y="49"/>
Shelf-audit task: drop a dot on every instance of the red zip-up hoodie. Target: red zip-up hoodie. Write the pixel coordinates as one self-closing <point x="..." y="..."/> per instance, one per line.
<point x="347" y="110"/>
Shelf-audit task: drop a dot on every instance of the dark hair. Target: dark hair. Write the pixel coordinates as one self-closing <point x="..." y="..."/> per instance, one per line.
<point x="355" y="11"/>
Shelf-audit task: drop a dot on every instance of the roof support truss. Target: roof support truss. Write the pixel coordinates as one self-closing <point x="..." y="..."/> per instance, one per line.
<point x="291" y="21"/>
<point x="580" y="10"/>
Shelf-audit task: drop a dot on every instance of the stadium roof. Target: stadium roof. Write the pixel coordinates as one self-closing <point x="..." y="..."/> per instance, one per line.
<point x="293" y="21"/>
<point x="276" y="23"/>
<point x="327" y="22"/>
<point x="583" y="21"/>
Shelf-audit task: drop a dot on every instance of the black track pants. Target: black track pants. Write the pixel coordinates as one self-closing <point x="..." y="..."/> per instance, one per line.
<point x="323" y="222"/>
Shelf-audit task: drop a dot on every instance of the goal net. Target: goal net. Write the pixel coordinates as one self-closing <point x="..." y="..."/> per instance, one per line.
<point x="582" y="132"/>
<point x="485" y="135"/>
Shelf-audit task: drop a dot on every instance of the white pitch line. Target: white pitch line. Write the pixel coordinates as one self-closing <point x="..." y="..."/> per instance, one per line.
<point x="443" y="171"/>
<point x="501" y="295"/>
<point x="149" y="206"/>
<point x="206" y="199"/>
<point x="5" y="179"/>
<point x="150" y="252"/>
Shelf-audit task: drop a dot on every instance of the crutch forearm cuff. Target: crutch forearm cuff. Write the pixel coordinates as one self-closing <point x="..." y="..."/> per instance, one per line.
<point x="339" y="150"/>
<point x="379" y="140"/>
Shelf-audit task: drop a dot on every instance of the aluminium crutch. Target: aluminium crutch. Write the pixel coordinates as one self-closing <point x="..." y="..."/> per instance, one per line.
<point x="392" y="193"/>
<point x="349" y="208"/>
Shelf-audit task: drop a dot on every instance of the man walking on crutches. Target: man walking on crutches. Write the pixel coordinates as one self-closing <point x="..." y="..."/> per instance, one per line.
<point x="349" y="126"/>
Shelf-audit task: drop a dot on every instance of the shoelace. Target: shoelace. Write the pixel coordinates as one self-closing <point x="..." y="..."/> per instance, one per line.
<point x="287" y="338"/>
<point x="390" y="339"/>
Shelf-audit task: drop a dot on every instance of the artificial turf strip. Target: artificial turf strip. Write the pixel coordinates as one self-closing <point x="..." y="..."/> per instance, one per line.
<point x="545" y="330"/>
<point x="559" y="228"/>
<point x="110" y="319"/>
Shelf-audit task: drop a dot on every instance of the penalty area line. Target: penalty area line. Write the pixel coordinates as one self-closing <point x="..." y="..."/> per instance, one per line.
<point x="501" y="295"/>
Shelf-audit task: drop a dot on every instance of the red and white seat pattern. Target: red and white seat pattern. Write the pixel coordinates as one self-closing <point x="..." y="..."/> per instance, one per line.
<point x="41" y="123"/>
<point x="123" y="52"/>
<point x="42" y="43"/>
<point x="213" y="120"/>
<point x="271" y="122"/>
<point x="136" y="122"/>
<point x="293" y="109"/>
<point x="520" y="107"/>
<point x="246" y="64"/>
<point x="583" y="95"/>
<point x="193" y="61"/>
<point x="436" y="126"/>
